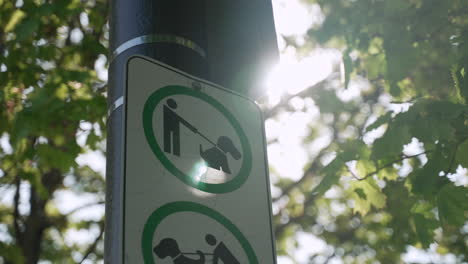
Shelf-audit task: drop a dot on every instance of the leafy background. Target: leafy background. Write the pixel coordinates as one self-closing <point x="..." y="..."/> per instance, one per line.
<point x="383" y="138"/>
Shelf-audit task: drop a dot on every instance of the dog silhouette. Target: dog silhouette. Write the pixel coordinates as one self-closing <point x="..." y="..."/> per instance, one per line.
<point x="168" y="247"/>
<point x="216" y="157"/>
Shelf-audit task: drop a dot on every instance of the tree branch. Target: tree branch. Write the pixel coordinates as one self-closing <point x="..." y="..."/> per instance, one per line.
<point x="2" y="42"/>
<point x="285" y="99"/>
<point x="83" y="207"/>
<point x="308" y="202"/>
<point x="92" y="247"/>
<point x="314" y="166"/>
<point x="352" y="173"/>
<point x="37" y="221"/>
<point x="16" y="215"/>
<point x="391" y="164"/>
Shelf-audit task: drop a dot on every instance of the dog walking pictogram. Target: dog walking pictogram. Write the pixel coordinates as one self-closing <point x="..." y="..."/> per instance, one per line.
<point x="168" y="247"/>
<point x="215" y="157"/>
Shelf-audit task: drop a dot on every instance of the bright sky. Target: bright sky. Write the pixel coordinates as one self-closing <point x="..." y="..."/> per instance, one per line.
<point x="294" y="74"/>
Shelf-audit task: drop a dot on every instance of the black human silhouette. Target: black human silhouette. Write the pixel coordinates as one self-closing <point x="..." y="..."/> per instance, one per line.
<point x="171" y="127"/>
<point x="168" y="247"/>
<point x="221" y="252"/>
<point x="216" y="157"/>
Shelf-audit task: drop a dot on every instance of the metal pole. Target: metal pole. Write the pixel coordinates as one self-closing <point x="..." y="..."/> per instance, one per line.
<point x="171" y="31"/>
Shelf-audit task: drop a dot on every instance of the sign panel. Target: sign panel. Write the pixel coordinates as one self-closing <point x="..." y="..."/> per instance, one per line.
<point x="196" y="181"/>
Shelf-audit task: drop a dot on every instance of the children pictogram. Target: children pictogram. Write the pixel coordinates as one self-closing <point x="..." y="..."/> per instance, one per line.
<point x="214" y="157"/>
<point x="221" y="252"/>
<point x="168" y="247"/>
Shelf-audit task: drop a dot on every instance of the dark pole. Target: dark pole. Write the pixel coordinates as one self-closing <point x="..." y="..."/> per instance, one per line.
<point x="228" y="42"/>
<point x="171" y="31"/>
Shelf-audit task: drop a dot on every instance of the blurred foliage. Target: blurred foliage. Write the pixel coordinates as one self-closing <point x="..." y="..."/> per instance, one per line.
<point x="377" y="196"/>
<point x="362" y="191"/>
<point x="51" y="100"/>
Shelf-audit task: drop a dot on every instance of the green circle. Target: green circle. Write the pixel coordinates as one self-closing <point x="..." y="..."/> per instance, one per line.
<point x="176" y="207"/>
<point x="155" y="98"/>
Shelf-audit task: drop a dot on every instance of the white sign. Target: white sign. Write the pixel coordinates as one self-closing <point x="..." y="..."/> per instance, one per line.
<point x="196" y="178"/>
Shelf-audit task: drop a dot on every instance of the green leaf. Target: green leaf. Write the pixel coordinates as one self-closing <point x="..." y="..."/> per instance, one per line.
<point x="367" y="193"/>
<point x="463" y="81"/>
<point x="374" y="65"/>
<point x="51" y="157"/>
<point x="423" y="208"/>
<point x="365" y="167"/>
<point x="45" y="9"/>
<point x="462" y="154"/>
<point x="398" y="47"/>
<point x="11" y="253"/>
<point x="424" y="229"/>
<point x="443" y="109"/>
<point x="432" y="120"/>
<point x="360" y="192"/>
<point x="458" y="73"/>
<point x="426" y="180"/>
<point x="452" y="204"/>
<point x="15" y="18"/>
<point x="27" y="28"/>
<point x="390" y="174"/>
<point x="328" y="102"/>
<point x="383" y="119"/>
<point x="348" y="67"/>
<point x="399" y="203"/>
<point x="392" y="142"/>
<point x="92" y="140"/>
<point x="351" y="150"/>
<point x="427" y="130"/>
<point x="424" y="222"/>
<point x="396" y="7"/>
<point x="331" y="177"/>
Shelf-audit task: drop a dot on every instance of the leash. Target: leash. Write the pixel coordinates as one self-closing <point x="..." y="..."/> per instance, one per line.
<point x="207" y="139"/>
